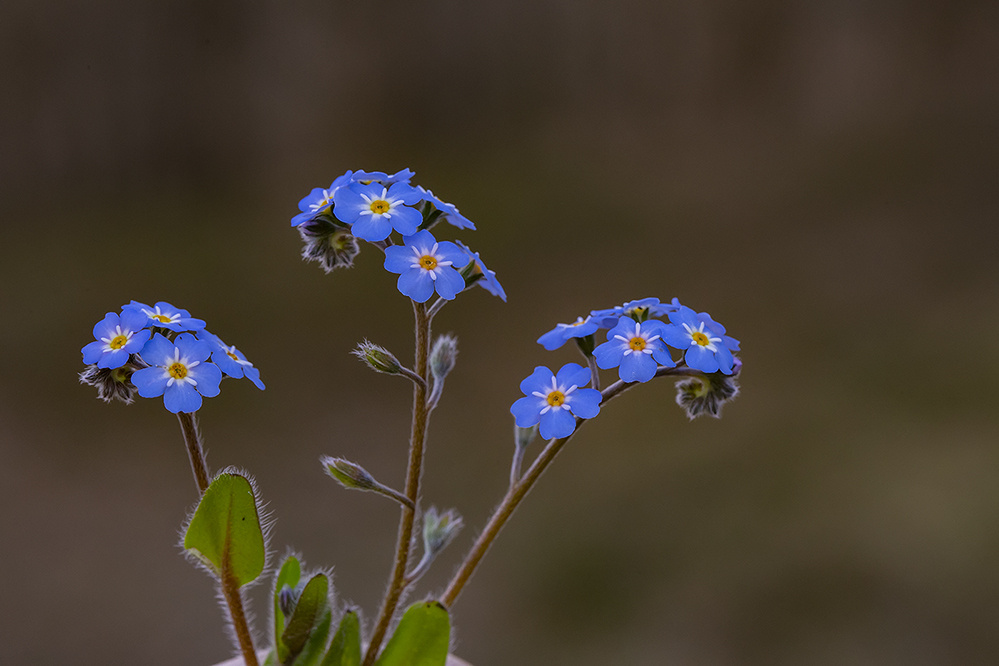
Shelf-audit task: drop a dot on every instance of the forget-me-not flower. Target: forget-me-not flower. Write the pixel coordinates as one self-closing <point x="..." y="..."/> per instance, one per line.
<point x="179" y="371"/>
<point x="488" y="279"/>
<point x="636" y="349"/>
<point x="425" y="265"/>
<point x="562" y="333"/>
<point x="702" y="339"/>
<point x="639" y="310"/>
<point x="319" y="200"/>
<point x="230" y="360"/>
<point x="374" y="210"/>
<point x="449" y="212"/>
<point x="554" y="401"/>
<point x="117" y="337"/>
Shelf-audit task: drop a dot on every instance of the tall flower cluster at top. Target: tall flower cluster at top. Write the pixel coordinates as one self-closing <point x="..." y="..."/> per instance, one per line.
<point x="158" y="351"/>
<point x="387" y="211"/>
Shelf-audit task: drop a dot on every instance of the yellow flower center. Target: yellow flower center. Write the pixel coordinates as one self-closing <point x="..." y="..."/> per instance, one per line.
<point x="637" y="343"/>
<point x="232" y="356"/>
<point x="428" y="262"/>
<point x="379" y="206"/>
<point x="161" y="318"/>
<point x="700" y="338"/>
<point x="556" y="398"/>
<point x="177" y="370"/>
<point x="118" y="342"/>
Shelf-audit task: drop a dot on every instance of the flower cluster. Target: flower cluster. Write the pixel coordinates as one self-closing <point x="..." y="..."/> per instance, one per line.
<point x="372" y="206"/>
<point x="158" y="351"/>
<point x="638" y="345"/>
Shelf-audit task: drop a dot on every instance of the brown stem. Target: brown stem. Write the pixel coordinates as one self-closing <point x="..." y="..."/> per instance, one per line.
<point x="189" y="428"/>
<point x="233" y="598"/>
<point x="397" y="582"/>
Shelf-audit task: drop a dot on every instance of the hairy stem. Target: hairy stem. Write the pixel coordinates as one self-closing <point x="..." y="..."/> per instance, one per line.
<point x="397" y="581"/>
<point x="519" y="488"/>
<point x="189" y="428"/>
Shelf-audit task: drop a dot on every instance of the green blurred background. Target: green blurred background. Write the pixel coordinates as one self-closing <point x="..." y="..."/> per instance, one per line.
<point x="821" y="177"/>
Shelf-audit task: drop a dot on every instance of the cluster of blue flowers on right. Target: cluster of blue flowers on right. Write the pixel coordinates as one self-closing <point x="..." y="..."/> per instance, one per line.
<point x="638" y="346"/>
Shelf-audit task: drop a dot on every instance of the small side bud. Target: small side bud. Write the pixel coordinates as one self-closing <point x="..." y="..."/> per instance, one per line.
<point x="443" y="356"/>
<point x="706" y="394"/>
<point x="354" y="477"/>
<point x="378" y="358"/>
<point x="287" y="600"/>
<point x="114" y="384"/>
<point x="349" y="475"/>
<point x="328" y="243"/>
<point x="439" y="529"/>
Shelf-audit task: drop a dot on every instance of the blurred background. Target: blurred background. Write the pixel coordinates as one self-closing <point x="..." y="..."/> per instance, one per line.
<point x="821" y="177"/>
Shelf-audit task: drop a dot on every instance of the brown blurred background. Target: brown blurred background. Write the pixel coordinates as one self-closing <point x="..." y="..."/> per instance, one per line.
<point x="821" y="177"/>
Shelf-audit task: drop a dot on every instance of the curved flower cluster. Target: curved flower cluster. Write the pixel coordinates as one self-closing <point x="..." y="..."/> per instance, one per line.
<point x="640" y="335"/>
<point x="373" y="206"/>
<point x="160" y="350"/>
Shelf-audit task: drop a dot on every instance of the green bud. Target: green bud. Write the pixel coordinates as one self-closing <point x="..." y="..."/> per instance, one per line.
<point x="706" y="394"/>
<point x="349" y="475"/>
<point x="287" y="599"/>
<point x="378" y="358"/>
<point x="439" y="529"/>
<point x="443" y="356"/>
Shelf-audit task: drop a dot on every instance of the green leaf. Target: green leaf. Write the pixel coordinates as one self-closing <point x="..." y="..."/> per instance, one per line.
<point x="421" y="639"/>
<point x="288" y="575"/>
<point x="315" y="646"/>
<point x="313" y="603"/>
<point x="225" y="531"/>
<point x="345" y="650"/>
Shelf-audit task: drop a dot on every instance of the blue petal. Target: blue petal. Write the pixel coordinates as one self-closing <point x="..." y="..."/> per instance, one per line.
<point x="676" y="337"/>
<point x="423" y="240"/>
<point x="700" y="358"/>
<point x="526" y="411"/>
<point x="553" y="339"/>
<point x="158" y="351"/>
<point x="398" y="259"/>
<point x="372" y="228"/>
<point x="417" y="284"/>
<point x="208" y="377"/>
<point x="181" y="397"/>
<point x="662" y="355"/>
<point x="557" y="423"/>
<point x="113" y="359"/>
<point x="93" y="351"/>
<point x="253" y="375"/>
<point x="451" y="252"/>
<point x="191" y="348"/>
<point x="609" y="354"/>
<point x="347" y="204"/>
<point x="585" y="403"/>
<point x="573" y="374"/>
<point x="539" y="381"/>
<point x="449" y="283"/>
<point x="637" y="368"/>
<point x="725" y="361"/>
<point x="151" y="382"/>
<point x="405" y="220"/>
<point x="105" y="327"/>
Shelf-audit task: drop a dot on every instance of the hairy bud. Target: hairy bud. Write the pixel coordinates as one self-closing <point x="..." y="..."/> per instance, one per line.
<point x="706" y="394"/>
<point x="378" y="358"/>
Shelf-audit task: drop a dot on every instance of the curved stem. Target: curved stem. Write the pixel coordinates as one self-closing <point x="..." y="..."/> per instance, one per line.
<point x="519" y="489"/>
<point x="397" y="581"/>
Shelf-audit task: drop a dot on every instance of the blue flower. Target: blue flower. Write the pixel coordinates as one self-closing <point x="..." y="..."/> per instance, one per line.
<point x="488" y="279"/>
<point x="635" y="348"/>
<point x="561" y="334"/>
<point x="554" y="401"/>
<point x="230" y="360"/>
<point x="116" y="338"/>
<point x="425" y="266"/>
<point x="374" y="210"/>
<point x="639" y="310"/>
<point x="178" y="371"/>
<point x="319" y="200"/>
<point x="164" y="315"/>
<point x="703" y="340"/>
<point x="448" y="211"/>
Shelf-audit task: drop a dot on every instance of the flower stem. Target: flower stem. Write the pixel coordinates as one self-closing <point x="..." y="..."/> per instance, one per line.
<point x="520" y="487"/>
<point x="189" y="428"/>
<point x="397" y="581"/>
<point x="228" y="584"/>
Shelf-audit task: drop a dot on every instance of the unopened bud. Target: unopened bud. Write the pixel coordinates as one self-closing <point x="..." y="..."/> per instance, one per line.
<point x="439" y="529"/>
<point x="378" y="358"/>
<point x="287" y="600"/>
<point x="349" y="475"/>
<point x="522" y="437"/>
<point x="443" y="356"/>
<point x="706" y="394"/>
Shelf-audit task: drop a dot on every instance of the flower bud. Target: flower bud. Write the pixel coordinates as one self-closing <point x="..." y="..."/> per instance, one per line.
<point x="111" y="384"/>
<point x="706" y="394"/>
<point x="349" y="475"/>
<point x="287" y="600"/>
<point x="439" y="529"/>
<point x="443" y="356"/>
<point x="326" y="241"/>
<point x="377" y="358"/>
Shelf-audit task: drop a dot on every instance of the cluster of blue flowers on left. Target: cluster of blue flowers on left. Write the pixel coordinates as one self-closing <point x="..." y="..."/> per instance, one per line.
<point x="371" y="206"/>
<point x="160" y="350"/>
